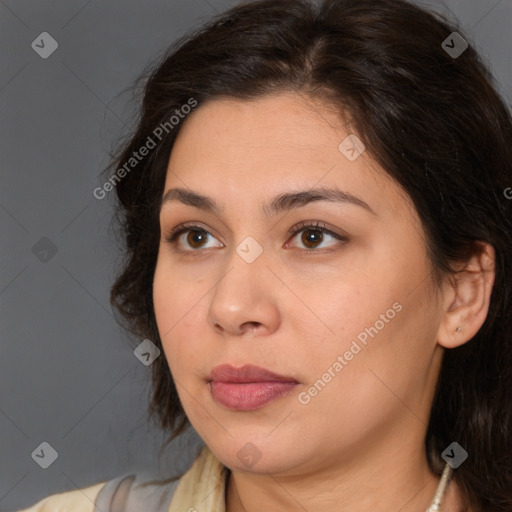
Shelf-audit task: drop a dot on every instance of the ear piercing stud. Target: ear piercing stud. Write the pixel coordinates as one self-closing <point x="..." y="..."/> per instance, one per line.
<point x="459" y="329"/>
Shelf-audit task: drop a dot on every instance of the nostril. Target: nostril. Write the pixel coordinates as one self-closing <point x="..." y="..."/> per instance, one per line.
<point x="250" y="326"/>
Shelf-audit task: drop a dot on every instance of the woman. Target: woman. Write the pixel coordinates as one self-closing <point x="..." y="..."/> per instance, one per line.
<point x="318" y="224"/>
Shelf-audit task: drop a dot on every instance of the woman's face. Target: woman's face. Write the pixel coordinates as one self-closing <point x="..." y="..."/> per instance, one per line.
<point x="351" y="321"/>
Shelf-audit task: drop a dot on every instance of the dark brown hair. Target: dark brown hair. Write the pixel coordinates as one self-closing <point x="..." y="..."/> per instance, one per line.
<point x="433" y="121"/>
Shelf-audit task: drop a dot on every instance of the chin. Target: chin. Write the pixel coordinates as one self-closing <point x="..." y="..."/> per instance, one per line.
<point x="256" y="454"/>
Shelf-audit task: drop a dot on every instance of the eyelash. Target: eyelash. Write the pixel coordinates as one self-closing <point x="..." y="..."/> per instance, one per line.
<point x="316" y="226"/>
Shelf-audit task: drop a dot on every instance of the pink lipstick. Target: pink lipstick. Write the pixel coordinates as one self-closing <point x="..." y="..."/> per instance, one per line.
<point x="247" y="388"/>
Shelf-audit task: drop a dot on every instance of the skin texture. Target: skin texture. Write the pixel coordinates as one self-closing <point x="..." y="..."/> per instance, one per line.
<point x="359" y="442"/>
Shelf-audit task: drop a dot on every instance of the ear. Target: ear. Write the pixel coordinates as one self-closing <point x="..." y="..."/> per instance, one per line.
<point x="466" y="298"/>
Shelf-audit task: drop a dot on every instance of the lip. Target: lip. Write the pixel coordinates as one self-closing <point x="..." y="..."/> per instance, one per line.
<point x="246" y="373"/>
<point x="247" y="388"/>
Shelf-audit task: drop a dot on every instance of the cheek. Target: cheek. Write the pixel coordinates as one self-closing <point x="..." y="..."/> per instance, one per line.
<point x="164" y="301"/>
<point x="372" y="379"/>
<point x="177" y="311"/>
<point x="386" y="349"/>
<point x="350" y="308"/>
<point x="373" y="321"/>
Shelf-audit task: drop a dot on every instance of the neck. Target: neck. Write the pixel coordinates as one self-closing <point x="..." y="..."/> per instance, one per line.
<point x="403" y="482"/>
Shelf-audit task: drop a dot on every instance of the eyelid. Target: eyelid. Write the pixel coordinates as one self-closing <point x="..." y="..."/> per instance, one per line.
<point x="184" y="227"/>
<point x="316" y="224"/>
<point x="321" y="226"/>
<point x="301" y="226"/>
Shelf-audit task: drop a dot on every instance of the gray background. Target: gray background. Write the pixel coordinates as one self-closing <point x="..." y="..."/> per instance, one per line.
<point x="68" y="375"/>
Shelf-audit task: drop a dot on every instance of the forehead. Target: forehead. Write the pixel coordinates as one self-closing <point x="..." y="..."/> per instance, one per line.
<point x="273" y="122"/>
<point x="240" y="150"/>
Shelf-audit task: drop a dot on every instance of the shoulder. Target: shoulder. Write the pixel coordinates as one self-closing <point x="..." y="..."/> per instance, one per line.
<point x="80" y="500"/>
<point x="136" y="492"/>
<point x="127" y="493"/>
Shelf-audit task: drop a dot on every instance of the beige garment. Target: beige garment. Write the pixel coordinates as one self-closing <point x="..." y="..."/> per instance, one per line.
<point x="81" y="500"/>
<point x="200" y="489"/>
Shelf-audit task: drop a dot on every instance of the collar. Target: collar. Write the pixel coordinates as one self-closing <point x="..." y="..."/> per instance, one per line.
<point x="203" y="486"/>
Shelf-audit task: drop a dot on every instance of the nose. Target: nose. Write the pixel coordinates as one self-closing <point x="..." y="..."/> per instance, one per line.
<point x="245" y="299"/>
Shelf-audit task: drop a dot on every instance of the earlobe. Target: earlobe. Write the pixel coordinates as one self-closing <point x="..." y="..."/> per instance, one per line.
<point x="467" y="296"/>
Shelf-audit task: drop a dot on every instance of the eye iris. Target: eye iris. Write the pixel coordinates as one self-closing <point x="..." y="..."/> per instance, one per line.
<point x="314" y="239"/>
<point x="310" y="237"/>
<point x="193" y="237"/>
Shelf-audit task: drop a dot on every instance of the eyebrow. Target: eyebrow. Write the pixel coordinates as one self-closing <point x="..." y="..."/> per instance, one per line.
<point x="280" y="203"/>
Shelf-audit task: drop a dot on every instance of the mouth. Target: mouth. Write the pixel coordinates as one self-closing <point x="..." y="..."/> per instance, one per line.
<point x="247" y="388"/>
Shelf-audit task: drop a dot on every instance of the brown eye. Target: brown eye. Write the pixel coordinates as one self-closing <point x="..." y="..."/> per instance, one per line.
<point x="313" y="235"/>
<point x="196" y="237"/>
